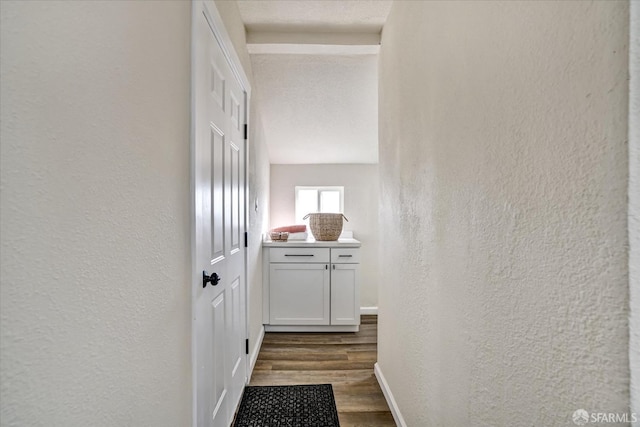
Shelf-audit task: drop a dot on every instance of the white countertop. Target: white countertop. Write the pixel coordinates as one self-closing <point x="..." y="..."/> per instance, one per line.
<point x="311" y="242"/>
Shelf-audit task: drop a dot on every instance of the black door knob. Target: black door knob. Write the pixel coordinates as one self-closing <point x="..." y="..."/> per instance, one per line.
<point x="213" y="279"/>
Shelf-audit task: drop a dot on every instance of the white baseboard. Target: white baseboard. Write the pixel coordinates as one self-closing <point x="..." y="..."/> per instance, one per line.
<point x="254" y="353"/>
<point x="369" y="310"/>
<point x="312" y="328"/>
<point x="393" y="406"/>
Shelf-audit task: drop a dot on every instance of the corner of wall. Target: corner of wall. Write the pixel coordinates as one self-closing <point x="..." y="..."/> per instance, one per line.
<point x="255" y="351"/>
<point x="388" y="396"/>
<point x="634" y="207"/>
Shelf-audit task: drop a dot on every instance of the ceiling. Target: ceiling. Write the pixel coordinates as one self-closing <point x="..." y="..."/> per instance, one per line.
<point x="314" y="15"/>
<point x="315" y="72"/>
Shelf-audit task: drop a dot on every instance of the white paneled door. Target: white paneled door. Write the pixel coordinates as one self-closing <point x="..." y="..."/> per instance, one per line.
<point x="219" y="333"/>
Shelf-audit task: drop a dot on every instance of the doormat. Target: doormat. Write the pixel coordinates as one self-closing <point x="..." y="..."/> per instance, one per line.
<point x="288" y="406"/>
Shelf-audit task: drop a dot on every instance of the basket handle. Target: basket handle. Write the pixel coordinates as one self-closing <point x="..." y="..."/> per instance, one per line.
<point x="307" y="216"/>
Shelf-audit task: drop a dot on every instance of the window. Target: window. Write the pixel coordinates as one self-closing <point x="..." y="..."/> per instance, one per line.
<point x="318" y="199"/>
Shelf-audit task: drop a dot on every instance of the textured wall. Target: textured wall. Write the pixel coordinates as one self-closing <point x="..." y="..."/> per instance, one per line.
<point x="258" y="221"/>
<point x="319" y="109"/>
<point x="634" y="206"/>
<point x="360" y="206"/>
<point x="503" y="183"/>
<point x="94" y="219"/>
<point x="258" y="173"/>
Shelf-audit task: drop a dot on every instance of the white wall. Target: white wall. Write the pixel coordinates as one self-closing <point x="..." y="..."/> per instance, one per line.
<point x="503" y="186"/>
<point x="94" y="220"/>
<point x="258" y="175"/>
<point x="634" y="206"/>
<point x="319" y="108"/>
<point x="360" y="183"/>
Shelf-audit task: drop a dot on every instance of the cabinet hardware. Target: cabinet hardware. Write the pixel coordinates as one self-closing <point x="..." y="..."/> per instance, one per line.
<point x="334" y="266"/>
<point x="345" y="256"/>
<point x="297" y="255"/>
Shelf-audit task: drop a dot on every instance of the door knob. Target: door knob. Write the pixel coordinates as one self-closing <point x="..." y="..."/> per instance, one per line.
<point x="214" y="279"/>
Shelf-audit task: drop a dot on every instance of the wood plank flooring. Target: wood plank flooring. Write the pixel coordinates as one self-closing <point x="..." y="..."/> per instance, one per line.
<point x="344" y="360"/>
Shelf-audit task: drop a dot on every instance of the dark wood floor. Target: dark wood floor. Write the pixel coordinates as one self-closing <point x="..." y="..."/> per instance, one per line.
<point x="344" y="360"/>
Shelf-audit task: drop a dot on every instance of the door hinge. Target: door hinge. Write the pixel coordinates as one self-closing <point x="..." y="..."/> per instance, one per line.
<point x="246" y="131"/>
<point x="246" y="239"/>
<point x="246" y="346"/>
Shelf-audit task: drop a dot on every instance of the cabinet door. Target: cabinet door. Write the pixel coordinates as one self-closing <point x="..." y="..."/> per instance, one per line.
<point x="299" y="294"/>
<point x="345" y="294"/>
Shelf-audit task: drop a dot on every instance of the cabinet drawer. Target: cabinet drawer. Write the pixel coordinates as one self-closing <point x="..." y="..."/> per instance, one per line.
<point x="294" y="255"/>
<point x="345" y="256"/>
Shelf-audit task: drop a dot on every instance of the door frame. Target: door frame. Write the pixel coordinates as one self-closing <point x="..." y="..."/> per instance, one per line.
<point x="209" y="10"/>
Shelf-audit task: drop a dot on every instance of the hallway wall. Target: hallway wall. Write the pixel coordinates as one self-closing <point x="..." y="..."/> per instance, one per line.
<point x="634" y="206"/>
<point x="95" y="296"/>
<point x="504" y="169"/>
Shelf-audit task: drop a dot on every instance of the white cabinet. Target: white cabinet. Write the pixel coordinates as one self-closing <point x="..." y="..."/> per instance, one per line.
<point x="345" y="294"/>
<point x="299" y="294"/>
<point x="311" y="287"/>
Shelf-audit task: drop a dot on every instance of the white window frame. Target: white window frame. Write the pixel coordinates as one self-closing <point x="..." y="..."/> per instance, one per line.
<point x="319" y="189"/>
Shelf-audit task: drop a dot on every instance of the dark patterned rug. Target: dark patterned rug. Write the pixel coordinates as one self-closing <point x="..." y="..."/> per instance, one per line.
<point x="288" y="406"/>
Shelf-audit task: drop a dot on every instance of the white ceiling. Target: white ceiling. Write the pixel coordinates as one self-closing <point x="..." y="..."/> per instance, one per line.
<point x="314" y="15"/>
<point x="316" y="77"/>
<point x="319" y="108"/>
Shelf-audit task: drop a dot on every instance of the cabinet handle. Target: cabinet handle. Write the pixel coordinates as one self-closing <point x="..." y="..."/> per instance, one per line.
<point x="345" y="256"/>
<point x="334" y="266"/>
<point x="297" y="255"/>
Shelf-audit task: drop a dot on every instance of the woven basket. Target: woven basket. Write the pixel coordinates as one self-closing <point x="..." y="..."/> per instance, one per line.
<point x="279" y="236"/>
<point x="325" y="226"/>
